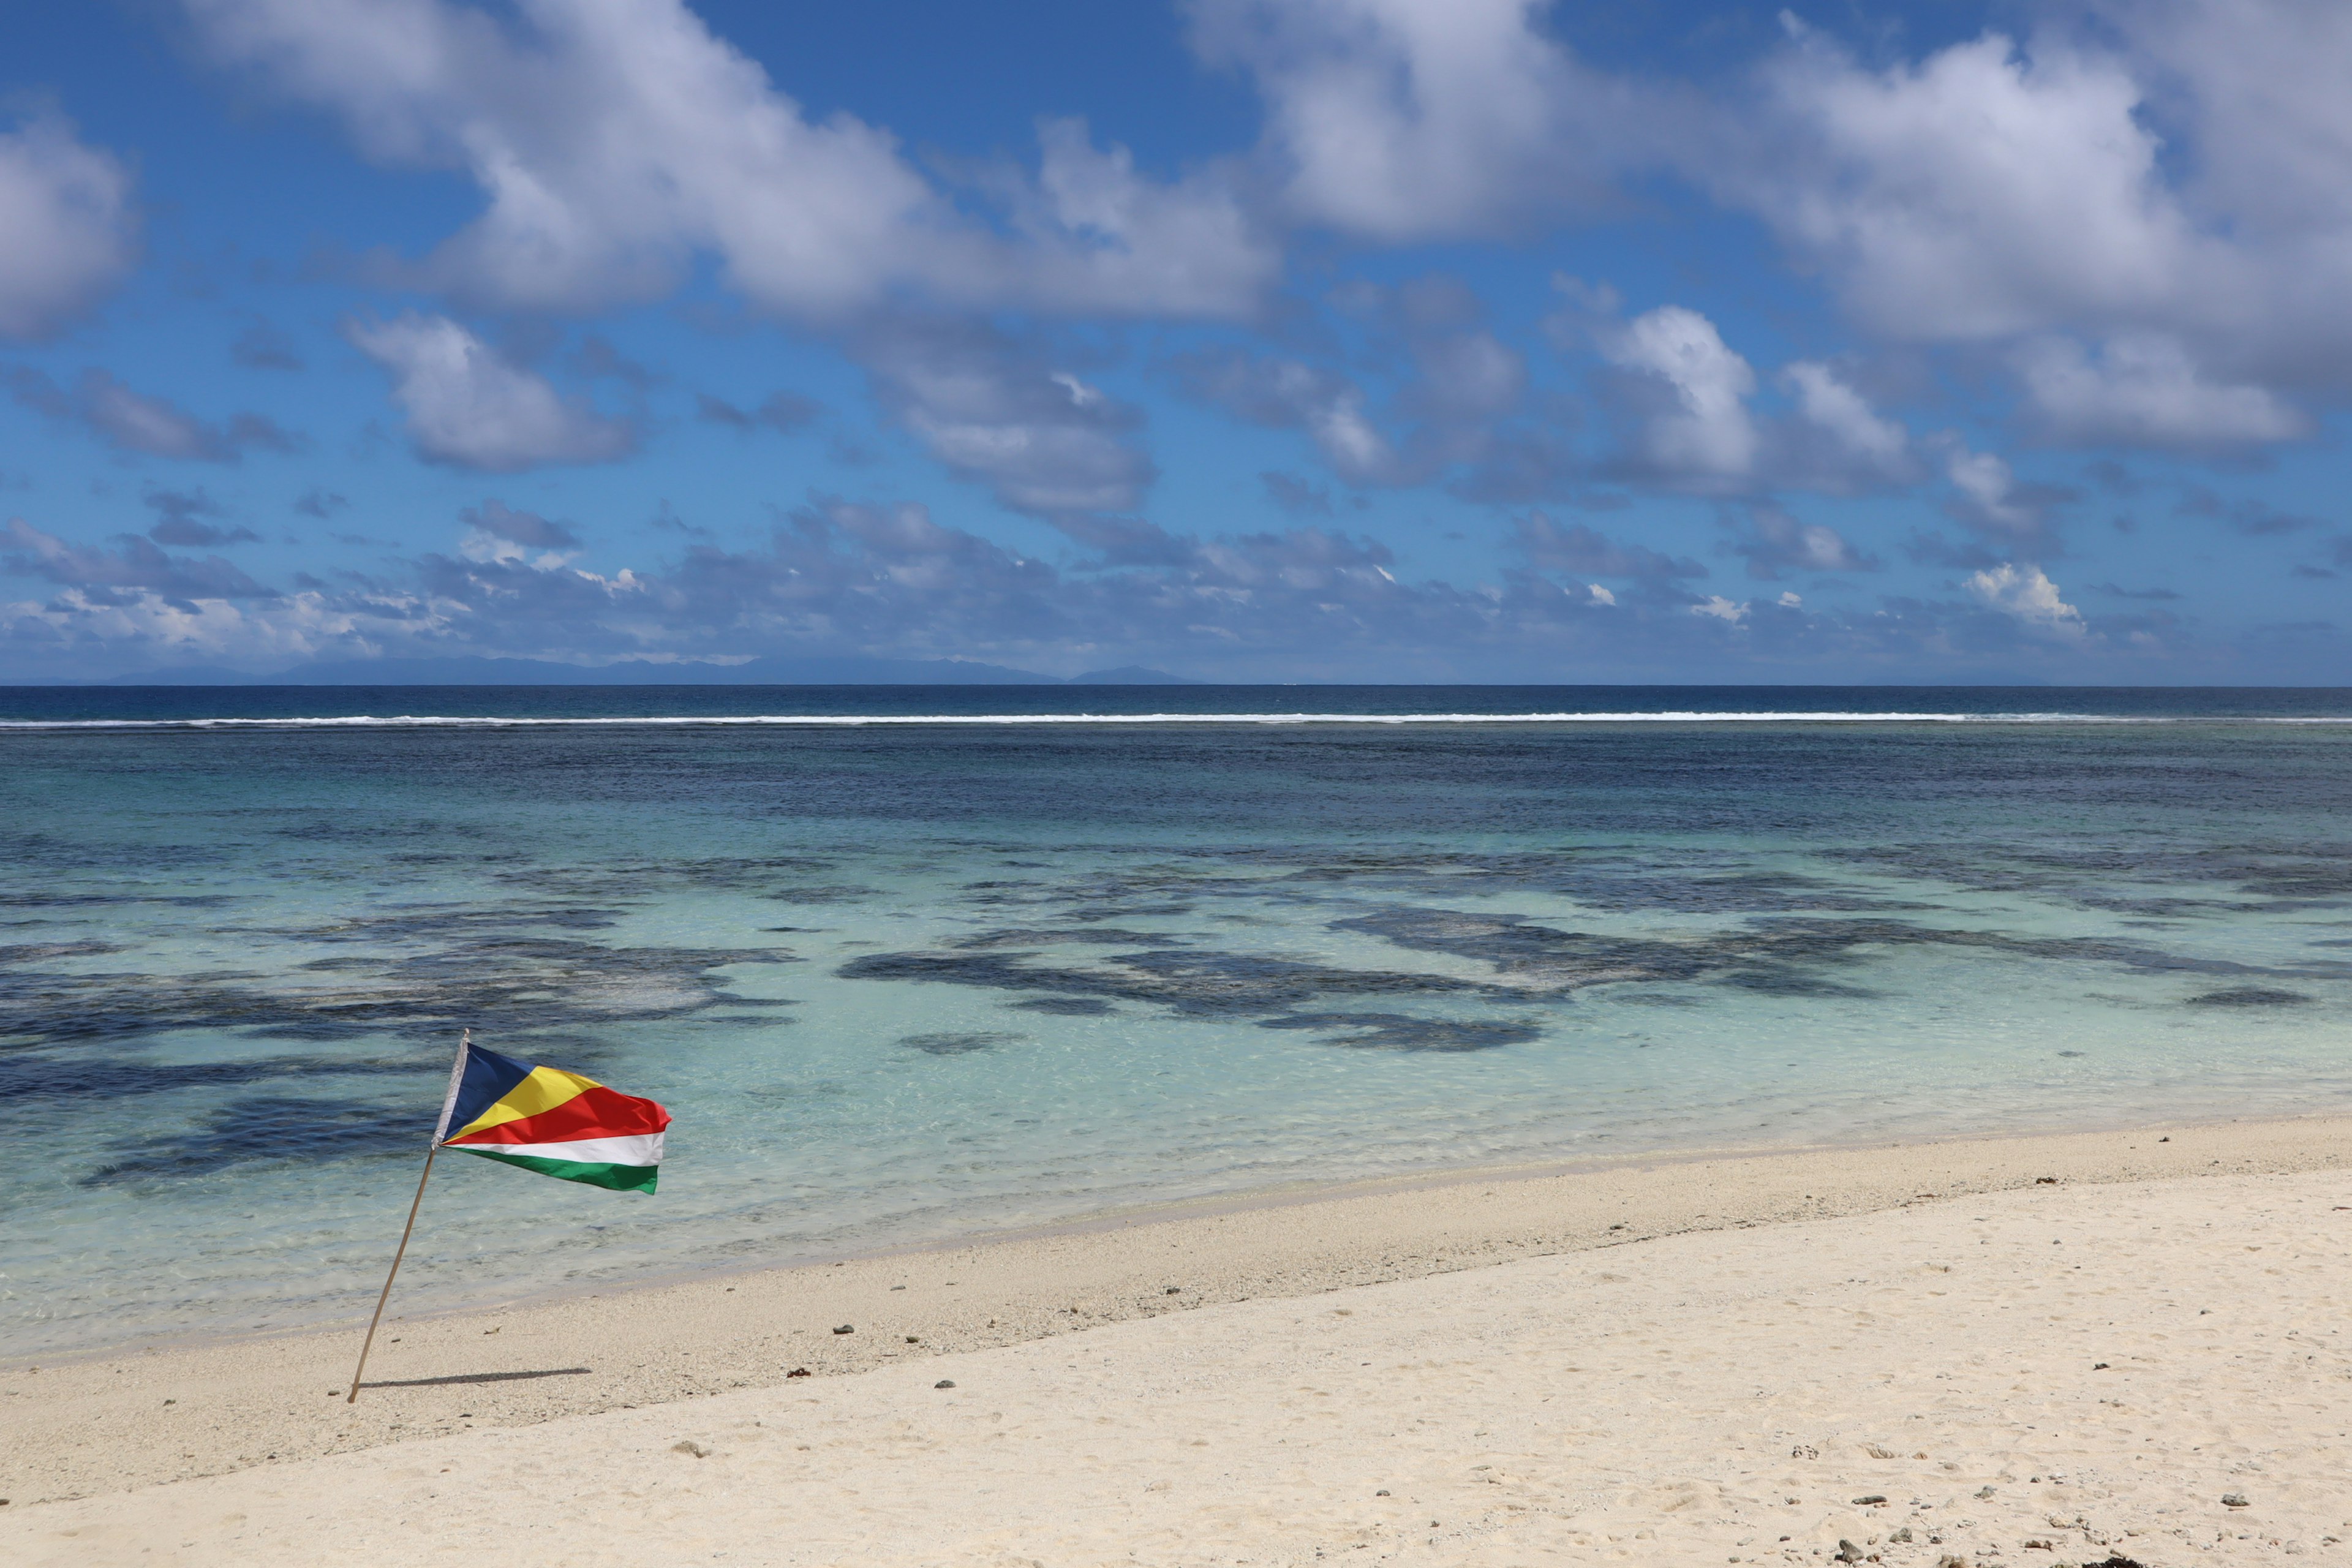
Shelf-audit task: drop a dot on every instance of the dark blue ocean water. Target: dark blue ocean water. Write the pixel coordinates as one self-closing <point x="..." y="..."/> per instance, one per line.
<point x="975" y="965"/>
<point x="199" y="702"/>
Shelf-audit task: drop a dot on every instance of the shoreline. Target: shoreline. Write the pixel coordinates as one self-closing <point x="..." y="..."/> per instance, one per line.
<point x="1128" y="1216"/>
<point x="90" y="1423"/>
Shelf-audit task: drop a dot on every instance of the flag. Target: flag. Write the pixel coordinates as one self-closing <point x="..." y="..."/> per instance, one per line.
<point x="556" y="1122"/>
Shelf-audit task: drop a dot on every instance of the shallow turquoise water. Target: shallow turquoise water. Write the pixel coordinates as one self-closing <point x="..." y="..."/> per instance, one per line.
<point x="903" y="983"/>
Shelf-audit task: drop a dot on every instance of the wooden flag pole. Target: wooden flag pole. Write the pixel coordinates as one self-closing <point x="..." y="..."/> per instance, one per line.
<point x="402" y="1251"/>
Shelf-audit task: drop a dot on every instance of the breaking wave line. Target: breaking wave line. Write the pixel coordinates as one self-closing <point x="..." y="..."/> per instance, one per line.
<point x="868" y="720"/>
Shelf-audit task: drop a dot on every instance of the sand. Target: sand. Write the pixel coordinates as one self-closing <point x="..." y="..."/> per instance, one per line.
<point x="2036" y="1350"/>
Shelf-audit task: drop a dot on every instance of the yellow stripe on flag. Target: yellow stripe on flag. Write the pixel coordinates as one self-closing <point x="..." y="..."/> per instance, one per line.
<point x="544" y="1090"/>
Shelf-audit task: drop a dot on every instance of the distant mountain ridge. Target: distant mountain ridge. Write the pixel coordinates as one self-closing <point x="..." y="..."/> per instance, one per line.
<point x="773" y="671"/>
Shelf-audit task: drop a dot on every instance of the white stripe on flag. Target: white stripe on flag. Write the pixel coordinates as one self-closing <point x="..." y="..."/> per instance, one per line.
<point x="644" y="1149"/>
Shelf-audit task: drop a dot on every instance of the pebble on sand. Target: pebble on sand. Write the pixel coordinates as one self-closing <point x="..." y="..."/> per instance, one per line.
<point x="944" y="1382"/>
<point x="846" y="1329"/>
<point x="2234" y="1500"/>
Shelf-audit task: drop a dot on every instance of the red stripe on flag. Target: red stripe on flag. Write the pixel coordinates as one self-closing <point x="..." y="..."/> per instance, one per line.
<point x="598" y="1112"/>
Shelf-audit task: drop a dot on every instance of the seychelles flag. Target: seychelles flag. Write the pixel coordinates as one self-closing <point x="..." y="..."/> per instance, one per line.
<point x="557" y="1123"/>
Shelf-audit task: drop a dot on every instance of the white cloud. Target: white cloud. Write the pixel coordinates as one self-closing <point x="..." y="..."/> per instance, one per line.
<point x="81" y="630"/>
<point x="498" y="533"/>
<point x="142" y="423"/>
<point x="2171" y="182"/>
<point x="2142" y="389"/>
<point x="2028" y="594"/>
<point x="1287" y="393"/>
<point x="68" y="229"/>
<point x="1714" y="606"/>
<point x="616" y="138"/>
<point x="1976" y="194"/>
<point x="1410" y="119"/>
<point x="470" y="408"/>
<point x="1773" y="542"/>
<point x="2173" y="170"/>
<point x="133" y="421"/>
<point x="135" y="566"/>
<point x="1988" y="486"/>
<point x="2260" y="86"/>
<point x="994" y="410"/>
<point x="1707" y="435"/>
<point x="1844" y="414"/>
<point x="1100" y="236"/>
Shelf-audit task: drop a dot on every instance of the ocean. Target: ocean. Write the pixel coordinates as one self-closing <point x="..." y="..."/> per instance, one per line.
<point x="911" y="963"/>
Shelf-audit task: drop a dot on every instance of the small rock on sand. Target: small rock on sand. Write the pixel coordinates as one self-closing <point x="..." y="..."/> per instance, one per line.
<point x="1848" y="1552"/>
<point x="944" y="1382"/>
<point x="844" y="1329"/>
<point x="2234" y="1500"/>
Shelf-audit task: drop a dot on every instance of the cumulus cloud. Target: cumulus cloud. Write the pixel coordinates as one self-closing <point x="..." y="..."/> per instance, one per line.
<point x="69" y="232"/>
<point x="617" y="141"/>
<point x="2171" y="178"/>
<point x="1453" y="387"/>
<point x="504" y="533"/>
<point x="1975" y="194"/>
<point x="1773" y="542"/>
<point x="1000" y="411"/>
<point x="847" y="577"/>
<point x="81" y="631"/>
<point x="1577" y="551"/>
<point x="2166" y="184"/>
<point x="1828" y="404"/>
<point x="857" y="577"/>
<point x="182" y="516"/>
<point x="1989" y="498"/>
<point x="2142" y="390"/>
<point x="1414" y="119"/>
<point x="133" y="421"/>
<point x="2027" y="594"/>
<point x="1287" y="393"/>
<point x="134" y="563"/>
<point x="470" y="408"/>
<point x="1696" y="428"/>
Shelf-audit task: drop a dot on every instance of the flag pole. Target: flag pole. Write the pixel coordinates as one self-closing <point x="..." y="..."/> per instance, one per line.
<point x="402" y="1251"/>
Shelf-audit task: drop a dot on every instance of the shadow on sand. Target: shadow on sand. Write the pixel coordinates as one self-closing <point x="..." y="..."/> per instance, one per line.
<point x="480" y="1377"/>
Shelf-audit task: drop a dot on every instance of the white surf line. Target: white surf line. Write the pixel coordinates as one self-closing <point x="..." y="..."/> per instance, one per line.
<point x="862" y="721"/>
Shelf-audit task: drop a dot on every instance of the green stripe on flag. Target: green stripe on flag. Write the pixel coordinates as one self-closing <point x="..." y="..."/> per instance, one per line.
<point x="620" y="1178"/>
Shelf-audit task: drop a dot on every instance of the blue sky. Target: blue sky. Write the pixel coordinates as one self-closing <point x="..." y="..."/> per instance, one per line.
<point x="1254" y="340"/>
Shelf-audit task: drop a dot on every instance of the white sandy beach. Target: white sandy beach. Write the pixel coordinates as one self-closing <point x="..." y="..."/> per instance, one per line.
<point x="1702" y="1361"/>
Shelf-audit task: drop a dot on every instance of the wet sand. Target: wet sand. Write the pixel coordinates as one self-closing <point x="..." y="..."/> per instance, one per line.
<point x="1671" y="1361"/>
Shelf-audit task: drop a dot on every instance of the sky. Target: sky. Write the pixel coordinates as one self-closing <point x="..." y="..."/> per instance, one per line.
<point x="1246" y="340"/>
